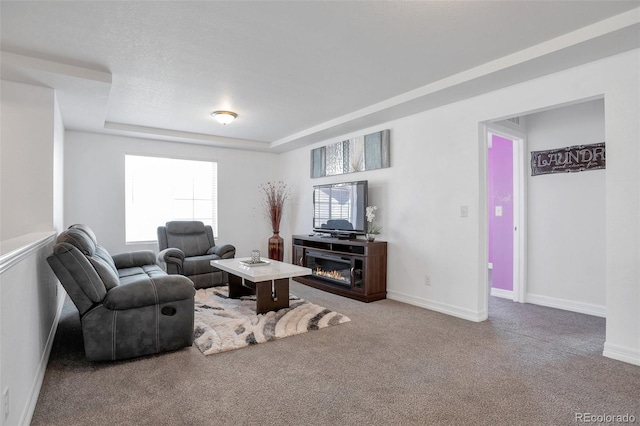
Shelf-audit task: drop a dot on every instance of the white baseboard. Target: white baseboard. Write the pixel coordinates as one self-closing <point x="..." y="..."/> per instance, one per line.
<point x="504" y="294"/>
<point x="567" y="305"/>
<point x="621" y="353"/>
<point x="444" y="308"/>
<point x="456" y="311"/>
<point x="34" y="392"/>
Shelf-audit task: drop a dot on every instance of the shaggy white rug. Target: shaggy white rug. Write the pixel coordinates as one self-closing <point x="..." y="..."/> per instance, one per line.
<point x="224" y="324"/>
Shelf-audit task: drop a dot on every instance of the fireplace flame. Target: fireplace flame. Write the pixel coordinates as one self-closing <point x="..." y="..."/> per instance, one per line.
<point x="331" y="274"/>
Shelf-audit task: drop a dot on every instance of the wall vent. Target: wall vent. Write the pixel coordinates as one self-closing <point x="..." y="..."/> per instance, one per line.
<point x="514" y="120"/>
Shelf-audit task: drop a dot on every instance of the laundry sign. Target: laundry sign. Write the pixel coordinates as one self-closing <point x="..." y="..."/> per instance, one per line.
<point x="578" y="158"/>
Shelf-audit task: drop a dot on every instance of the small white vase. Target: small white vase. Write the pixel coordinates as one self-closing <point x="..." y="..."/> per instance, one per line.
<point x="371" y="237"/>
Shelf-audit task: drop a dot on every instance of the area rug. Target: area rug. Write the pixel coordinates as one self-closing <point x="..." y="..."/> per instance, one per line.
<point x="224" y="324"/>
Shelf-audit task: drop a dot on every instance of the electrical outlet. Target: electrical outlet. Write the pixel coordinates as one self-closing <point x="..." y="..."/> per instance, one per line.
<point x="427" y="280"/>
<point x="5" y="397"/>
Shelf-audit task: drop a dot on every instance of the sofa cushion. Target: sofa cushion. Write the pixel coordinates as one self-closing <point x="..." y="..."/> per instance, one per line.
<point x="190" y="237"/>
<point x="127" y="274"/>
<point x="134" y="258"/>
<point x="79" y="240"/>
<point x="72" y="263"/>
<point x="105" y="271"/>
<point x="130" y="272"/>
<point x="185" y="227"/>
<point x="98" y="257"/>
<point x="153" y="270"/>
<point x="103" y="254"/>
<point x="199" y="264"/>
<point x="100" y="251"/>
<point x="143" y="290"/>
<point x="86" y="230"/>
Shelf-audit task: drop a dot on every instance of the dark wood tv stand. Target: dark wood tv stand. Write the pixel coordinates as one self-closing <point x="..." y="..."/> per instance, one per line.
<point x="348" y="267"/>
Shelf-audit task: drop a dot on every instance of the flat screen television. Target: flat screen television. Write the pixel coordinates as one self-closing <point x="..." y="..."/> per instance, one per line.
<point x="339" y="209"/>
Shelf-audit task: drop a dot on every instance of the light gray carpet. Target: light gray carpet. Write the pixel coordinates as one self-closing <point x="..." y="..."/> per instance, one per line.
<point x="393" y="364"/>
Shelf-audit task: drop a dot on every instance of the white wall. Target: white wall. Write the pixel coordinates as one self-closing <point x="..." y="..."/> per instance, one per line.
<point x="94" y="188"/>
<point x="622" y="131"/>
<point x="30" y="296"/>
<point x="27" y="152"/>
<point x="30" y="302"/>
<point x="434" y="171"/>
<point x="58" y="170"/>
<point x="439" y="165"/>
<point x="566" y="226"/>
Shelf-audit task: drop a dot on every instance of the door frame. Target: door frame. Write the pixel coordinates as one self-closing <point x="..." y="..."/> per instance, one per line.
<point x="520" y="167"/>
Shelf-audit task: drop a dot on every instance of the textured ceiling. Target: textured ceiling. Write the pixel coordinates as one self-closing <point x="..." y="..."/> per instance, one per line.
<point x="295" y="72"/>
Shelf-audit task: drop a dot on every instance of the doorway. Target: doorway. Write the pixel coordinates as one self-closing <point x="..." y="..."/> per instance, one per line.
<point x="506" y="199"/>
<point x="559" y="231"/>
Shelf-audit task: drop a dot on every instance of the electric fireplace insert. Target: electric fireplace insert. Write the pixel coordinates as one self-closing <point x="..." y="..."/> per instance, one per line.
<point x="339" y="270"/>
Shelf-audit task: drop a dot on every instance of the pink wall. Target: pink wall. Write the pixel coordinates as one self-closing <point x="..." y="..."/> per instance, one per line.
<point x="501" y="227"/>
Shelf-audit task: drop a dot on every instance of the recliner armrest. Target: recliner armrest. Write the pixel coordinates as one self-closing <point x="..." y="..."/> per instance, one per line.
<point x="134" y="258"/>
<point x="171" y="255"/>
<point x="226" y="251"/>
<point x="147" y="291"/>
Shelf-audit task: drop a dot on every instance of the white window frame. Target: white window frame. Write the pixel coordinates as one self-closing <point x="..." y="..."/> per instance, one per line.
<point x="168" y="192"/>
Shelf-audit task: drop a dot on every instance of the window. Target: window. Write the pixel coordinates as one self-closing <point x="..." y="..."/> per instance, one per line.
<point x="159" y="190"/>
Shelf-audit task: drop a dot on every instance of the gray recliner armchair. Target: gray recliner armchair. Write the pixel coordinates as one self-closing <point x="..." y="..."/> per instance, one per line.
<point x="188" y="247"/>
<point x="128" y="305"/>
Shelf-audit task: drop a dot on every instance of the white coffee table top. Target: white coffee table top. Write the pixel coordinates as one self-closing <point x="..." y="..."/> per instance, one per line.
<point x="272" y="271"/>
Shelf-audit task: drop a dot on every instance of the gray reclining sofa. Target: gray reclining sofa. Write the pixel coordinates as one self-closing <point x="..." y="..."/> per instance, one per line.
<point x="128" y="305"/>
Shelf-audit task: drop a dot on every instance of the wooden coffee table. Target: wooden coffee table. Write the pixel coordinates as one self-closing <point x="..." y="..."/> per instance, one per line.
<point x="269" y="282"/>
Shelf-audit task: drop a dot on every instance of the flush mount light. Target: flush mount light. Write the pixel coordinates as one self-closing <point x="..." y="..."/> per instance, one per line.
<point x="224" y="117"/>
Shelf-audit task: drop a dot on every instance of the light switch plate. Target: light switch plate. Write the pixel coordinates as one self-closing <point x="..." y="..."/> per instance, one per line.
<point x="498" y="210"/>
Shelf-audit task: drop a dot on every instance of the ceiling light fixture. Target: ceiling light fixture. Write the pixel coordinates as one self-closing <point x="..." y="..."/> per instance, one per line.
<point x="224" y="117"/>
